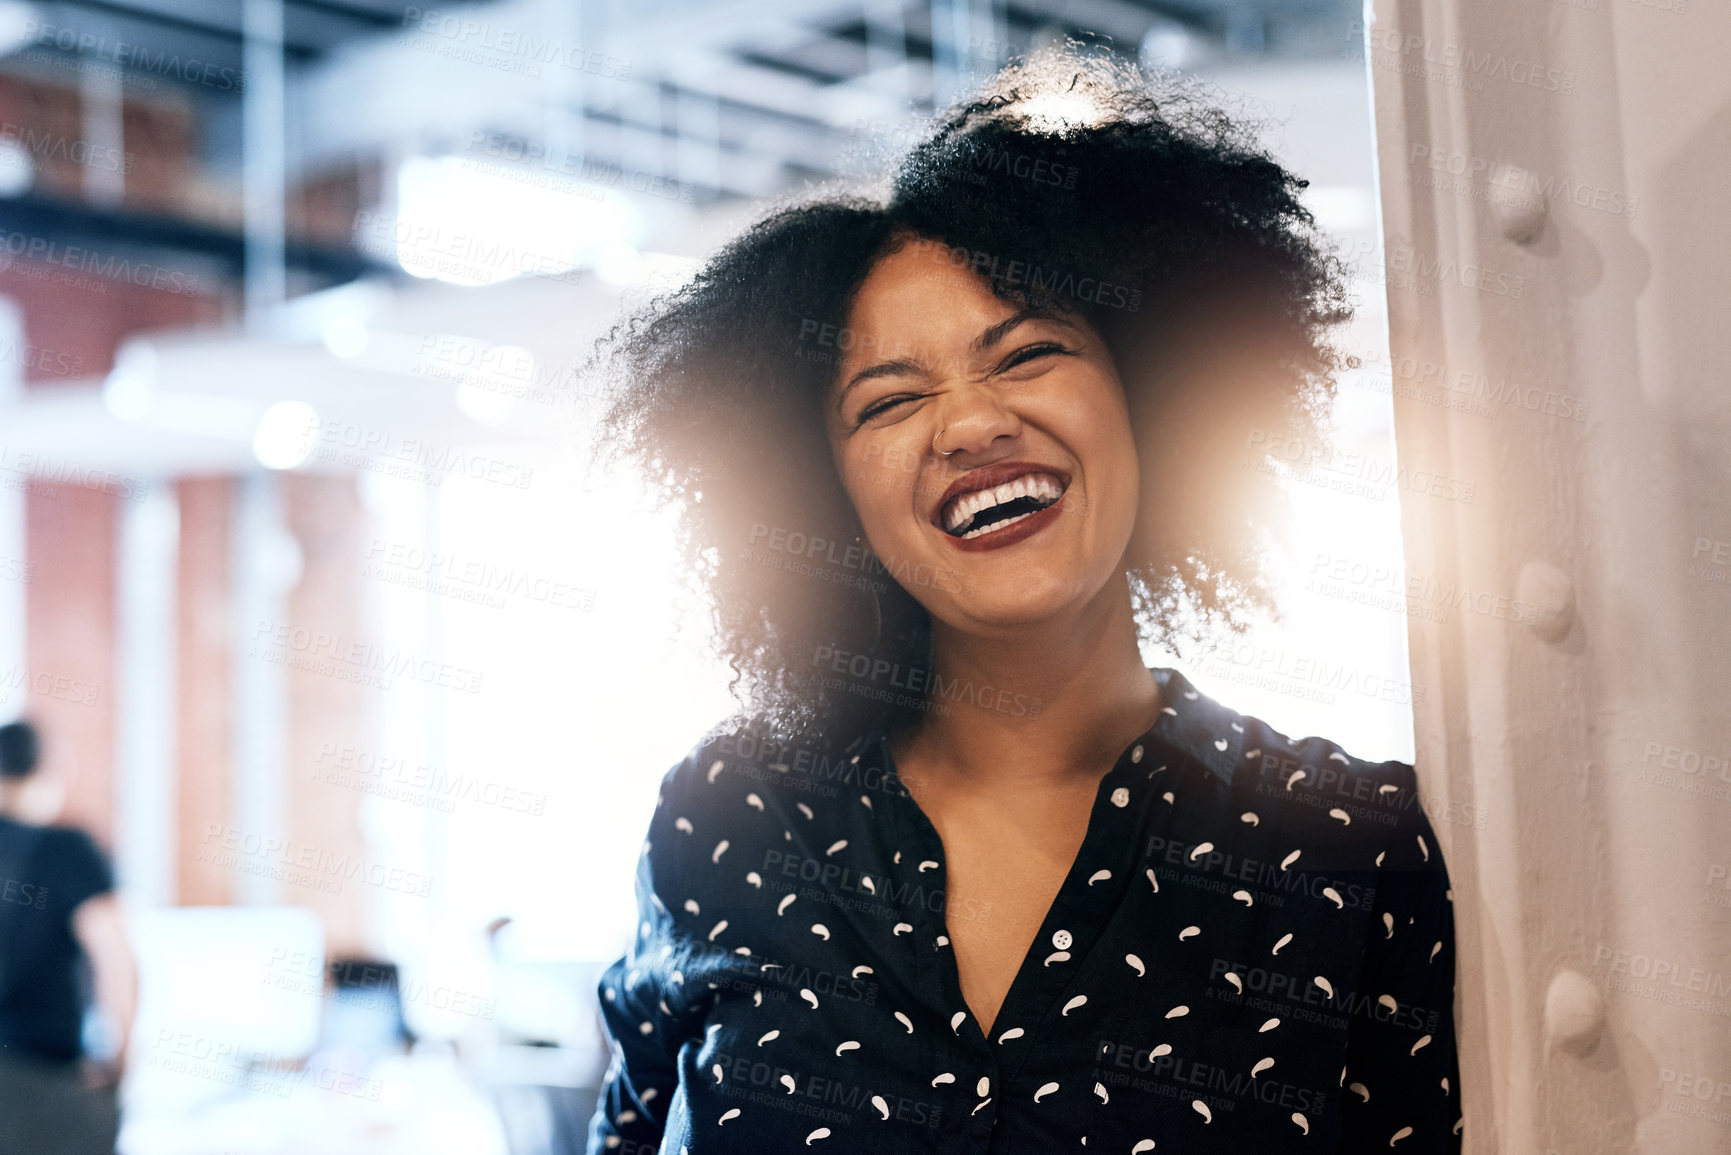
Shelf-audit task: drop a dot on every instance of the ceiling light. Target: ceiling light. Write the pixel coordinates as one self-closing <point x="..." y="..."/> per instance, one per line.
<point x="470" y="223"/>
<point x="284" y="437"/>
<point x="19" y="25"/>
<point x="17" y="169"/>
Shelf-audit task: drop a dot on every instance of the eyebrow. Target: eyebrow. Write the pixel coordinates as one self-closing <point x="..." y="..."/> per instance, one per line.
<point x="990" y="336"/>
<point x="996" y="333"/>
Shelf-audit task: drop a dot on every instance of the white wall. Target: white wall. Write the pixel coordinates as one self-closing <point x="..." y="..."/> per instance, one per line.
<point x="1594" y="919"/>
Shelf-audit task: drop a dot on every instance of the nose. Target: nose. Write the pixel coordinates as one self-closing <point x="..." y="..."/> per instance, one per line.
<point x="971" y="418"/>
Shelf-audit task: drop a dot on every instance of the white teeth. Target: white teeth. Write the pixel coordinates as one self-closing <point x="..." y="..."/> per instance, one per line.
<point x="995" y="525"/>
<point x="1040" y="486"/>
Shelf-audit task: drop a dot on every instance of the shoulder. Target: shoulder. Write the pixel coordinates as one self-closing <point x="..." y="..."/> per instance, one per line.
<point x="1251" y="754"/>
<point x="70" y="866"/>
<point x="70" y="844"/>
<point x="742" y="759"/>
<point x="1354" y="811"/>
<point x="1316" y="766"/>
<point x="740" y="775"/>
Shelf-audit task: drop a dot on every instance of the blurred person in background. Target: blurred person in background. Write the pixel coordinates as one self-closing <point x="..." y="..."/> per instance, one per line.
<point x="61" y="934"/>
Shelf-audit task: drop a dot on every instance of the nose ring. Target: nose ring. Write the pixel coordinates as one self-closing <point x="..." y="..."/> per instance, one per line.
<point x="942" y="452"/>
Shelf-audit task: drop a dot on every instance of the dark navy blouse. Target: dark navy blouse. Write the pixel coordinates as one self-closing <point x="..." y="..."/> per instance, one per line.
<point x="1253" y="952"/>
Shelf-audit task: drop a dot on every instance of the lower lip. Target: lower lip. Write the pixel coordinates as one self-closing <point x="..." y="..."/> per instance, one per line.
<point x="1011" y="534"/>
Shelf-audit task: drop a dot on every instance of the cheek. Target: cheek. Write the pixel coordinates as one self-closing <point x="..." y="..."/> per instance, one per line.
<point x="880" y="476"/>
<point x="1107" y="447"/>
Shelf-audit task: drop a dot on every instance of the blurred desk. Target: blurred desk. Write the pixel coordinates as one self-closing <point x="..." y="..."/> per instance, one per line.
<point x="418" y="1104"/>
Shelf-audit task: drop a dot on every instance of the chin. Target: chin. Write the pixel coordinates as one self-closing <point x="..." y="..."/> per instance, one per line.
<point x="1011" y="605"/>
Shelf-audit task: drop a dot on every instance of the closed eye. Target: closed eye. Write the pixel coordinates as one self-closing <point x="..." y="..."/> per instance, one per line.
<point x="1029" y="353"/>
<point x="884" y="406"/>
<point x="1022" y="356"/>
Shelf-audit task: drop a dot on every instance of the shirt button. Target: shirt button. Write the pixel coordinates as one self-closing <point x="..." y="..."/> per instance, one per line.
<point x="1120" y="797"/>
<point x="1062" y="940"/>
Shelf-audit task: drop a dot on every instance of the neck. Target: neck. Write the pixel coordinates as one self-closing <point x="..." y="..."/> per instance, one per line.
<point x="1057" y="700"/>
<point x="11" y="797"/>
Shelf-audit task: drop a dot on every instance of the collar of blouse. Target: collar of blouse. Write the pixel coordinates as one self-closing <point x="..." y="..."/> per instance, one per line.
<point x="1190" y="723"/>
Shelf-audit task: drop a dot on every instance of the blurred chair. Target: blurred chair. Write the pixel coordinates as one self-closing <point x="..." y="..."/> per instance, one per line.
<point x="545" y="1096"/>
<point x="546" y="1071"/>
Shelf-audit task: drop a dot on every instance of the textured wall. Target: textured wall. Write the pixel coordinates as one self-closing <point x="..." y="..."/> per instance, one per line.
<point x="1554" y="177"/>
<point x="67" y="684"/>
<point x="204" y="701"/>
<point x="321" y="824"/>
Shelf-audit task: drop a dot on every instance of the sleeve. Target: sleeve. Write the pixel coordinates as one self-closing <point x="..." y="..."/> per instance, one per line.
<point x="1402" y="1078"/>
<point x="80" y="870"/>
<point x="644" y="1013"/>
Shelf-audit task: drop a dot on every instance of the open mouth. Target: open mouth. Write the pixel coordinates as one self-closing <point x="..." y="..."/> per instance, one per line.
<point x="981" y="511"/>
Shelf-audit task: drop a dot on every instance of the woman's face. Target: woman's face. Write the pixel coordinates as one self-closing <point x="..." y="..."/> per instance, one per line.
<point x="1029" y="514"/>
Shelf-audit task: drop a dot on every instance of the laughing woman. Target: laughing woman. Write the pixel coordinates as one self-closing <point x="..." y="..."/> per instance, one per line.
<point x="965" y="875"/>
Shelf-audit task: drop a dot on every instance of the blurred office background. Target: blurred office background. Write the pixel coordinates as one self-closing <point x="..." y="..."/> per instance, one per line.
<point x="337" y="646"/>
